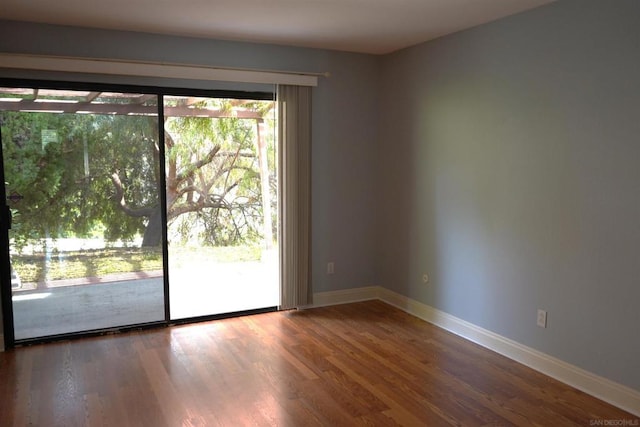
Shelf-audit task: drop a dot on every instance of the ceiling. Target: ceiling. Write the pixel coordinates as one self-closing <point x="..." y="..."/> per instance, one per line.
<point x="367" y="26"/>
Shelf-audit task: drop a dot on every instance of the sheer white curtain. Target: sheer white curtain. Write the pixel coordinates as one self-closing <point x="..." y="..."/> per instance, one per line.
<point x="294" y="119"/>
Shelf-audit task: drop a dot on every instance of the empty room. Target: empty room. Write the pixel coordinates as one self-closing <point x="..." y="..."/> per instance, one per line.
<point x="330" y="213"/>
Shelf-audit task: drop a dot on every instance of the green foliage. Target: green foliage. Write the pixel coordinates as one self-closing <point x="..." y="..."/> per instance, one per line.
<point x="125" y="145"/>
<point x="69" y="192"/>
<point x="101" y="262"/>
<point x="63" y="198"/>
<point x="87" y="263"/>
<point x="228" y="186"/>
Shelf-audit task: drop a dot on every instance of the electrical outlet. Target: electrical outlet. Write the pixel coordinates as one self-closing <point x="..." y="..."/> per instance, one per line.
<point x="542" y="318"/>
<point x="425" y="278"/>
<point x="330" y="268"/>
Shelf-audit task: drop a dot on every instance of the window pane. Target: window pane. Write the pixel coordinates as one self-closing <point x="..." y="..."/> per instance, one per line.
<point x="221" y="203"/>
<point x="81" y="172"/>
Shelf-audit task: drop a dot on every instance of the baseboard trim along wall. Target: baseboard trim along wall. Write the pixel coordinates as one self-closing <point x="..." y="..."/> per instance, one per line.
<point x="323" y="299"/>
<point x="616" y="394"/>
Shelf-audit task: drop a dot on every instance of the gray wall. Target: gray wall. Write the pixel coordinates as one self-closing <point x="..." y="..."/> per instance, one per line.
<point x="343" y="129"/>
<point x="509" y="167"/>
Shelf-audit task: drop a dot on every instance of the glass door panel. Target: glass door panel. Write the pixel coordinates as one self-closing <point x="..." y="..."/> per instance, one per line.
<point x="82" y="182"/>
<point x="221" y="205"/>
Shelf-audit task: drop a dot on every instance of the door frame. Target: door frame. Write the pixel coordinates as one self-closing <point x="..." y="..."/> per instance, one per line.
<point x="5" y="260"/>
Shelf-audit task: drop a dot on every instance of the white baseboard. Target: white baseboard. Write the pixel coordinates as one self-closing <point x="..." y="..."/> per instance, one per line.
<point x="616" y="394"/>
<point x="322" y="299"/>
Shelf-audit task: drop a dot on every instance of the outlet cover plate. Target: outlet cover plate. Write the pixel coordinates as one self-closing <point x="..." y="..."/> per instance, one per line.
<point x="542" y="318"/>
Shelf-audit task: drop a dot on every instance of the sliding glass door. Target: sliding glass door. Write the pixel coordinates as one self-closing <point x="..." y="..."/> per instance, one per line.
<point x="221" y="205"/>
<point x="82" y="182"/>
<point x="132" y="208"/>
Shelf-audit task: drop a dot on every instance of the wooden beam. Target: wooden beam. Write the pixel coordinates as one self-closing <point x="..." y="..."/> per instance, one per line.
<point x="144" y="98"/>
<point x="29" y="105"/>
<point x="91" y="96"/>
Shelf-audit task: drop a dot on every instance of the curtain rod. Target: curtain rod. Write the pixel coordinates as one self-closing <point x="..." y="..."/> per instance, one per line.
<point x="157" y="69"/>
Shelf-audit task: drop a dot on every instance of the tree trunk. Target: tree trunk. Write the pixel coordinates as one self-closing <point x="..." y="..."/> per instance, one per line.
<point x="153" y="233"/>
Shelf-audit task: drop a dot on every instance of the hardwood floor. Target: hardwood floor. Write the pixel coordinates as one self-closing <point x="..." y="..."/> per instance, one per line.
<point x="357" y="364"/>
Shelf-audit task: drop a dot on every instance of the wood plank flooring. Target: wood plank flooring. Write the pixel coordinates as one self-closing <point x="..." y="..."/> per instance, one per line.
<point x="356" y="364"/>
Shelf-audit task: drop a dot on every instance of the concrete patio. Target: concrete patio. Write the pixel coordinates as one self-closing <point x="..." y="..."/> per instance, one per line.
<point x="121" y="300"/>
